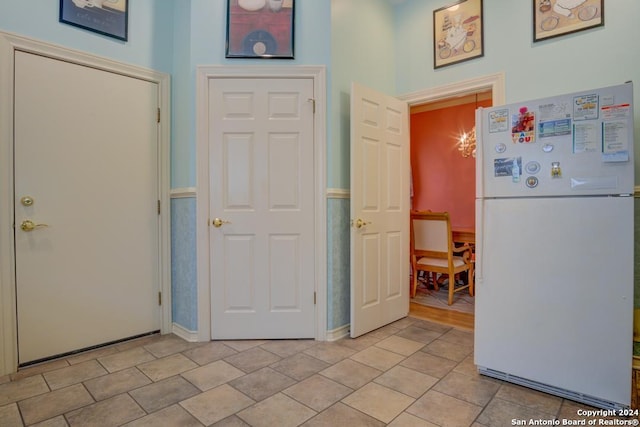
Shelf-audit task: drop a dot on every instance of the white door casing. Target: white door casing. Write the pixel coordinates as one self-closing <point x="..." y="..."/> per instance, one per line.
<point x="379" y="209"/>
<point x="235" y="293"/>
<point x="11" y="47"/>
<point x="262" y="256"/>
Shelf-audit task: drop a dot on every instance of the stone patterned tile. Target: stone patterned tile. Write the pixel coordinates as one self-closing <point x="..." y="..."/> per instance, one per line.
<point x="378" y="358"/>
<point x="209" y="352"/>
<point x="407" y="381"/>
<point x="174" y="415"/>
<point x="212" y="375"/>
<point x="460" y="337"/>
<point x="415" y="333"/>
<point x="91" y="354"/>
<point x="343" y="415"/>
<point x="378" y="401"/>
<point x="232" y="421"/>
<point x="167" y="345"/>
<point x="278" y="410"/>
<point x="400" y="345"/>
<point x="57" y="402"/>
<point x="351" y="373"/>
<point x="119" y="382"/>
<point x="114" y="411"/>
<point x="318" y="392"/>
<point x="448" y="350"/>
<point x="74" y="374"/>
<point x="359" y="343"/>
<point x="428" y="364"/>
<point x="163" y="393"/>
<point x="125" y="359"/>
<point x="476" y="389"/>
<point x="252" y="359"/>
<point x="216" y="404"/>
<point x="300" y="366"/>
<point x="532" y="399"/>
<point x="166" y="367"/>
<point x="262" y="383"/>
<point x="242" y="345"/>
<point x="22" y="389"/>
<point x="500" y="412"/>
<point x="286" y="348"/>
<point x="10" y="416"/>
<point x="330" y="352"/>
<point x="39" y="369"/>
<point x="432" y="326"/>
<point x="59" y="421"/>
<point x="408" y="420"/>
<point x="445" y="411"/>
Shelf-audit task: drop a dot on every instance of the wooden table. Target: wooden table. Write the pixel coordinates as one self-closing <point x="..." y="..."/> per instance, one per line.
<point x="464" y="235"/>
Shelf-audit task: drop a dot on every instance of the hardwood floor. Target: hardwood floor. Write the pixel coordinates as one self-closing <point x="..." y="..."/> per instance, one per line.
<point x="448" y="317"/>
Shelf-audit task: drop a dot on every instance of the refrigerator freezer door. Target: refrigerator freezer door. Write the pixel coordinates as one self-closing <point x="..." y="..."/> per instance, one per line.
<point x="554" y="301"/>
<point x="568" y="149"/>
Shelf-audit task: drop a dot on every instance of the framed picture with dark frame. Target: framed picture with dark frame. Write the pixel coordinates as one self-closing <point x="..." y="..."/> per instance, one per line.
<point x="457" y="33"/>
<point x="260" y="29"/>
<point x="107" y="17"/>
<point x="553" y="18"/>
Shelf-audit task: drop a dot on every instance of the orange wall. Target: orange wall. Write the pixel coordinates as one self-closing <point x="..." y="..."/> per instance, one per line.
<point x="443" y="180"/>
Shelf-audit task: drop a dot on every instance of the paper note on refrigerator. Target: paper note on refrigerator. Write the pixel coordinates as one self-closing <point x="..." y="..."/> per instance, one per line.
<point x="615" y="141"/>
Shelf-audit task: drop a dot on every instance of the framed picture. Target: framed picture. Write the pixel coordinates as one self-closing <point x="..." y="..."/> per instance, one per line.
<point x="553" y="18"/>
<point x="260" y="29"/>
<point x="457" y="33"/>
<point x="108" y="17"/>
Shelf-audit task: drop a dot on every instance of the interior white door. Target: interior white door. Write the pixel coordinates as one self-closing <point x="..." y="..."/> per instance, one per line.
<point x="262" y="193"/>
<point x="86" y="176"/>
<point x="379" y="209"/>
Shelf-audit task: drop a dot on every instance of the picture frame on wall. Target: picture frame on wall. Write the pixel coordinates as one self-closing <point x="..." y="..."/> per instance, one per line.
<point x="458" y="33"/>
<point x="106" y="17"/>
<point x="260" y="29"/>
<point x="554" y="18"/>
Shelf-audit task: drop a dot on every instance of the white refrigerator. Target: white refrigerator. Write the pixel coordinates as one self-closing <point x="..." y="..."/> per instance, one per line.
<point x="554" y="245"/>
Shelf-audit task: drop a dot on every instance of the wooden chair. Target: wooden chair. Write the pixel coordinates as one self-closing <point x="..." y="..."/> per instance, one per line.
<point x="432" y="250"/>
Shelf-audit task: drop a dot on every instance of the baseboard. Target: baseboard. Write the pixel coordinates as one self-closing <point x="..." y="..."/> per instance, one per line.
<point x="185" y="334"/>
<point x="336" y="334"/>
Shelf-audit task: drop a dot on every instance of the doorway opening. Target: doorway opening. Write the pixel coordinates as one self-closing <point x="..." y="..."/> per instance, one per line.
<point x="443" y="175"/>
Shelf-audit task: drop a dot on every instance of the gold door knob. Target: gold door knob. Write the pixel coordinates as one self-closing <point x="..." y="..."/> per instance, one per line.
<point x="28" y="225"/>
<point x="217" y="222"/>
<point x="359" y="223"/>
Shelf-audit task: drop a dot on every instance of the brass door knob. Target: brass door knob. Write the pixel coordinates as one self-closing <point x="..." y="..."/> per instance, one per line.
<point x="217" y="222"/>
<point x="359" y="223"/>
<point x="28" y="225"/>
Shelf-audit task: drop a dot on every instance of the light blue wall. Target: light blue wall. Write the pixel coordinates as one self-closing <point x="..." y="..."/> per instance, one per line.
<point x="362" y="50"/>
<point x="589" y="59"/>
<point x="150" y="31"/>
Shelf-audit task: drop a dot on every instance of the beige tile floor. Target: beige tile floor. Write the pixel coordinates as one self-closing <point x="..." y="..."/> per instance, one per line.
<point x="410" y="373"/>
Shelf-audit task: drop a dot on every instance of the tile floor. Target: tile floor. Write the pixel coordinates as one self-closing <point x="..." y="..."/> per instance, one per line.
<point x="410" y="373"/>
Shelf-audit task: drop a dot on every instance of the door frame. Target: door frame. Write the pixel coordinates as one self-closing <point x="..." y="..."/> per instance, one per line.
<point x="9" y="43"/>
<point x="494" y="83"/>
<point x="205" y="75"/>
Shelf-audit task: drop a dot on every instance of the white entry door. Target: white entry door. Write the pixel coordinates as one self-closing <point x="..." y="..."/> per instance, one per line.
<point x="86" y="195"/>
<point x="261" y="210"/>
<point x="379" y="209"/>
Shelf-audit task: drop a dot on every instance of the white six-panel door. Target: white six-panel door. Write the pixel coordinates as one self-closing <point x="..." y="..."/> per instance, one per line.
<point x="379" y="209"/>
<point x="261" y="214"/>
<point x="86" y="175"/>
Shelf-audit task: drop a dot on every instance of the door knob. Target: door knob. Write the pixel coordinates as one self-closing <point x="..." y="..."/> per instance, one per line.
<point x="217" y="222"/>
<point x="359" y="223"/>
<point x="28" y="225"/>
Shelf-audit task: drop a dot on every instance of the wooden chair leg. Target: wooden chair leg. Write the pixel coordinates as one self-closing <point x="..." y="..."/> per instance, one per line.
<point x="452" y="286"/>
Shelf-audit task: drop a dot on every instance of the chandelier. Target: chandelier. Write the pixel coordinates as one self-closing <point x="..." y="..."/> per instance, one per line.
<point x="467" y="143"/>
